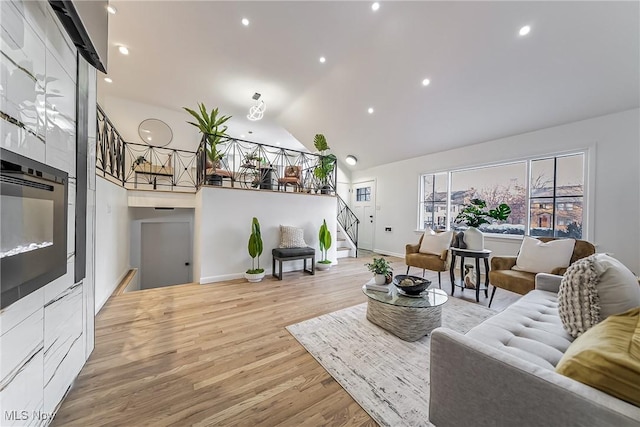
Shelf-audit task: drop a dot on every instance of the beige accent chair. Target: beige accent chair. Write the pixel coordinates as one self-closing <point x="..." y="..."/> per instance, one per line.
<point x="521" y="282"/>
<point x="292" y="176"/>
<point x="414" y="258"/>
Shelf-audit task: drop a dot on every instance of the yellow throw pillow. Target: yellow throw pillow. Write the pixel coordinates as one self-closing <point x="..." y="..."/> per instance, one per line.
<point x="607" y="357"/>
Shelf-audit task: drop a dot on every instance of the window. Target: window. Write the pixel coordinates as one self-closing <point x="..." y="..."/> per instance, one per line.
<point x="546" y="196"/>
<point x="363" y="194"/>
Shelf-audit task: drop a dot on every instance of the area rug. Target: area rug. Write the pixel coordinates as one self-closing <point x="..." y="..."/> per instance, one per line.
<point x="387" y="376"/>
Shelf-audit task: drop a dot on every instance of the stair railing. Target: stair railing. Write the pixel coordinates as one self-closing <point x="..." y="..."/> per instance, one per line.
<point x="349" y="221"/>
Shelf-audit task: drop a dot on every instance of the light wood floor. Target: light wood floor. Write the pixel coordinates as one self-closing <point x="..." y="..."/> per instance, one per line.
<point x="219" y="354"/>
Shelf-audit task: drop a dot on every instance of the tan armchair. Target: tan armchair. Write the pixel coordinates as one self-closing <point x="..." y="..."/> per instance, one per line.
<point x="292" y="176"/>
<point x="413" y="258"/>
<point x="521" y="282"/>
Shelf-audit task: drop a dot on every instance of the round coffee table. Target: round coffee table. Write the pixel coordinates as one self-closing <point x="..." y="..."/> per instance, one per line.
<point x="407" y="318"/>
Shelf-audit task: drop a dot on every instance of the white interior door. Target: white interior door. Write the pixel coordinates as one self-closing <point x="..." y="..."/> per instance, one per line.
<point x="166" y="254"/>
<point x="363" y="203"/>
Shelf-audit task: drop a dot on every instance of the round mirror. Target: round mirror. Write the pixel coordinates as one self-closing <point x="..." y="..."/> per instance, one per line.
<point x="155" y="132"/>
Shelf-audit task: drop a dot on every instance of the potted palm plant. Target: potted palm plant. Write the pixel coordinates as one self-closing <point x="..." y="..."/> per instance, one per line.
<point x="326" y="163"/>
<point x="255" y="273"/>
<point x="324" y="240"/>
<point x="210" y="124"/>
<point x="473" y="215"/>
<point x="381" y="269"/>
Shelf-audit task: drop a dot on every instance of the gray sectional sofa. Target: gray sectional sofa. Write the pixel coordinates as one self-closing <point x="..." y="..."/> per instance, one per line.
<point x="501" y="373"/>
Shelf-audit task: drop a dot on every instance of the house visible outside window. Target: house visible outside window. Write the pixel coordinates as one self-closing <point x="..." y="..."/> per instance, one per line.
<point x="546" y="196"/>
<point x="363" y="194"/>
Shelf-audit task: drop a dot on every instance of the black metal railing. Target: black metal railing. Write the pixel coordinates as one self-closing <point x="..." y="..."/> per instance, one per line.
<point x="349" y="221"/>
<point x="246" y="164"/>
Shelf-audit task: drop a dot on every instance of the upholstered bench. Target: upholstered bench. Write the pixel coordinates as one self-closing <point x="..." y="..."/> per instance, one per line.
<point x="290" y="254"/>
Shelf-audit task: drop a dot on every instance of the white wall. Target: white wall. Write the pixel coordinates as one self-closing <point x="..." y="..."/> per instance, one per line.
<point x="613" y="190"/>
<point x="112" y="238"/>
<point x="223" y="218"/>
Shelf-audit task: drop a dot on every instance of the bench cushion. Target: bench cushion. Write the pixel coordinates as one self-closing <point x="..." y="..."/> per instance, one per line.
<point x="292" y="252"/>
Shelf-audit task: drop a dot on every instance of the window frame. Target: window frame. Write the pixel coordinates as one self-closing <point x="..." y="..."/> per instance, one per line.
<point x="588" y="164"/>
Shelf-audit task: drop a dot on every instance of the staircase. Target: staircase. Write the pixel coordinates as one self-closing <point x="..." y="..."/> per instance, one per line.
<point x="347" y="231"/>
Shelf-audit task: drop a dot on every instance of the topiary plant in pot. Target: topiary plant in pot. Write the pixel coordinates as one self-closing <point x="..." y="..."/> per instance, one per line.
<point x="255" y="273"/>
<point x="210" y="124"/>
<point x="324" y="240"/>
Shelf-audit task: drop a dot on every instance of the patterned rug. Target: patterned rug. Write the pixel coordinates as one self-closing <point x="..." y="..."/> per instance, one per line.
<point x="387" y="376"/>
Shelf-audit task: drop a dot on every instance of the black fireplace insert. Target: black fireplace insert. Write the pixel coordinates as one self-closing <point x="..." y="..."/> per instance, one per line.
<point x="33" y="233"/>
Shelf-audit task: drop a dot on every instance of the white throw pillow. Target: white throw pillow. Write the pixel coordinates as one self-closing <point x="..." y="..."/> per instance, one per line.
<point x="435" y="243"/>
<point x="292" y="237"/>
<point x="618" y="288"/>
<point x="594" y="288"/>
<point x="535" y="256"/>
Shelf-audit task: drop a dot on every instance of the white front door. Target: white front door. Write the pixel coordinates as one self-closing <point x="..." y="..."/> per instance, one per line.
<point x="363" y="203"/>
<point x="166" y="254"/>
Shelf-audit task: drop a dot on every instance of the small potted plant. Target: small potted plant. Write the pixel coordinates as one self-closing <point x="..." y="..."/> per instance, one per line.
<point x="326" y="163"/>
<point x="255" y="273"/>
<point x="212" y="129"/>
<point x="473" y="215"/>
<point x="324" y="240"/>
<point x="381" y="269"/>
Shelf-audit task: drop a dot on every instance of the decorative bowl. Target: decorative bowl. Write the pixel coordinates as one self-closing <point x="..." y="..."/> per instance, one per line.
<point x="411" y="285"/>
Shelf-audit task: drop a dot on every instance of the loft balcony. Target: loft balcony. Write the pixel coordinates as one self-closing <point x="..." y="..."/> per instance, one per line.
<point x="243" y="165"/>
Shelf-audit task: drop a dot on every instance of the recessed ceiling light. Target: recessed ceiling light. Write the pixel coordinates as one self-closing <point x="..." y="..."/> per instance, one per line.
<point x="112" y="10"/>
<point x="242" y="136"/>
<point x="149" y="138"/>
<point x="323" y="59"/>
<point x="245" y="22"/>
<point x="277" y="142"/>
<point x="426" y="82"/>
<point x="370" y="110"/>
<point x="123" y="50"/>
<point x="351" y="160"/>
<point x="524" y="30"/>
<point x="108" y="80"/>
<point x="375" y="6"/>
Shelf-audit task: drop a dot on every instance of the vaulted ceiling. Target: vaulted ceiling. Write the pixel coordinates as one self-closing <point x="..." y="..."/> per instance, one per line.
<point x="580" y="60"/>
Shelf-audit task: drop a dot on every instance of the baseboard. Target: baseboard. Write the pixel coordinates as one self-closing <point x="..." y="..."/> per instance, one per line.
<point x="387" y="253"/>
<point x="286" y="267"/>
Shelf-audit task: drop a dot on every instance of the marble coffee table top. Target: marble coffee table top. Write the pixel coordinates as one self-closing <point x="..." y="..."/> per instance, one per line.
<point x="428" y="298"/>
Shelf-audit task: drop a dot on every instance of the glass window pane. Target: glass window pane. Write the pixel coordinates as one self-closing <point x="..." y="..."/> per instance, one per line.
<point x="569" y="219"/>
<point x="541" y="211"/>
<point x="433" y="206"/>
<point x="542" y="178"/>
<point x="494" y="185"/>
<point x="570" y="176"/>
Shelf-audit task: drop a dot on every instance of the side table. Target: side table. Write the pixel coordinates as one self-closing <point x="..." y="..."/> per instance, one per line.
<point x="477" y="255"/>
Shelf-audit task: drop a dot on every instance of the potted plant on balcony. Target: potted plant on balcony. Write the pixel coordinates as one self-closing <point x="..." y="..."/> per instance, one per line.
<point x="326" y="163"/>
<point x="255" y="273"/>
<point x="210" y="124"/>
<point x="324" y="240"/>
<point x="473" y="215"/>
<point x="381" y="269"/>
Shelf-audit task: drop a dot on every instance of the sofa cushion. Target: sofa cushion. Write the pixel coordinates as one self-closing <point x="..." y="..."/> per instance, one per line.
<point x="536" y="256"/>
<point x="529" y="329"/>
<point x="519" y="282"/>
<point x="607" y="357"/>
<point x="435" y="243"/>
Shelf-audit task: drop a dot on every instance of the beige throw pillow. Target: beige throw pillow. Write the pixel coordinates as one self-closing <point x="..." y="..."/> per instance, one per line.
<point x="618" y="288"/>
<point x="536" y="256"/>
<point x="435" y="243"/>
<point x="291" y="237"/>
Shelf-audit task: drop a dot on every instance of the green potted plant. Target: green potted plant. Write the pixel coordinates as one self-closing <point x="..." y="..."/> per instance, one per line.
<point x="381" y="269"/>
<point x="255" y="273"/>
<point x="210" y="124"/>
<point x="473" y="215"/>
<point x="324" y="240"/>
<point x="326" y="163"/>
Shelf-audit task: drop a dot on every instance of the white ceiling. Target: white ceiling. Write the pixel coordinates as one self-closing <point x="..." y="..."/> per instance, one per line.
<point x="581" y="59"/>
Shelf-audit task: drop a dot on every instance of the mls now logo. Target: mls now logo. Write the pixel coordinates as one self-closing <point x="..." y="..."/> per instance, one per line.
<point x="26" y="415"/>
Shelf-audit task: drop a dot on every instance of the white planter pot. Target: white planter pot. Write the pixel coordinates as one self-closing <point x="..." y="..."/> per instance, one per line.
<point x="322" y="266"/>
<point x="380" y="279"/>
<point x="254" y="278"/>
<point x="474" y="239"/>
